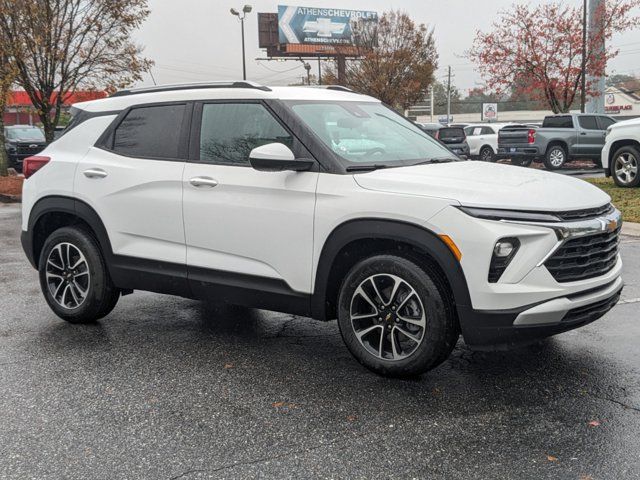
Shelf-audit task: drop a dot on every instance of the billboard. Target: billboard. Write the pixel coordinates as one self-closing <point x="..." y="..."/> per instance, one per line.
<point x="489" y="112"/>
<point x="319" y="26"/>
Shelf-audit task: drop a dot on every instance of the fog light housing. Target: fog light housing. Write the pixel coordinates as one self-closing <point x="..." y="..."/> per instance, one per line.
<point x="503" y="252"/>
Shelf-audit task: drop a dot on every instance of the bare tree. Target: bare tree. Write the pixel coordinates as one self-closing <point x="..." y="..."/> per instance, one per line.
<point x="59" y="46"/>
<point x="398" y="60"/>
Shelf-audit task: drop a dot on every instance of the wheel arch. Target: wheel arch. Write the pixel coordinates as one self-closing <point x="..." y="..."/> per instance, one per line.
<point x="354" y="240"/>
<point x="618" y="144"/>
<point x="53" y="212"/>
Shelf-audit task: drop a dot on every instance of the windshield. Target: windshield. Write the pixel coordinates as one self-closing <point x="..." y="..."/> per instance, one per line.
<point x="26" y="133"/>
<point x="367" y="132"/>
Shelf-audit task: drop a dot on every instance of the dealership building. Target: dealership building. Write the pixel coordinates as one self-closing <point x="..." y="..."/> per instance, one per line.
<point x="20" y="110"/>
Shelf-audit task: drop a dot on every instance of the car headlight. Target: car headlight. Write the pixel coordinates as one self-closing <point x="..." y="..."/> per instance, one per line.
<point x="512" y="215"/>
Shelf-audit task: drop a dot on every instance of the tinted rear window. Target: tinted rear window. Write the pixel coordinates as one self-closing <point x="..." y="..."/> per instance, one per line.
<point x="150" y="132"/>
<point x="564" y="121"/>
<point x="450" y="133"/>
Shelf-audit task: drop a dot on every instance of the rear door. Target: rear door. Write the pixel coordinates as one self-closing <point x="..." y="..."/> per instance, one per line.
<point x="590" y="137"/>
<point x="133" y="180"/>
<point x="243" y="227"/>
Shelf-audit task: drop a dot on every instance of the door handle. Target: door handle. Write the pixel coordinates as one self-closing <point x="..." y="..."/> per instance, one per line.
<point x="203" y="182"/>
<point x="582" y="133"/>
<point x="95" y="173"/>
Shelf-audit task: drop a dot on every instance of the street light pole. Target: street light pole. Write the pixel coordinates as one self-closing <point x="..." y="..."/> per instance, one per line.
<point x="241" y="15"/>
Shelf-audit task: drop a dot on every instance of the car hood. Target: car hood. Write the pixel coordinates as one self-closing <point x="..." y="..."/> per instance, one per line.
<point x="481" y="184"/>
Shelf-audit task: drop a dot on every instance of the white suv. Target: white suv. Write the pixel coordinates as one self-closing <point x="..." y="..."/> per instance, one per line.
<point x="621" y="153"/>
<point x="316" y="202"/>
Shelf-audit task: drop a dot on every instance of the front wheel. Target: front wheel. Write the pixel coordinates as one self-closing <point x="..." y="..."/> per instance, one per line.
<point x="74" y="278"/>
<point x="624" y="168"/>
<point x="395" y="317"/>
<point x="487" y="155"/>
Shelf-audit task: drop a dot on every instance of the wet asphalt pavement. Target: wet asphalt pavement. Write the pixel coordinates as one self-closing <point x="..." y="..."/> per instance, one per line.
<point x="170" y="388"/>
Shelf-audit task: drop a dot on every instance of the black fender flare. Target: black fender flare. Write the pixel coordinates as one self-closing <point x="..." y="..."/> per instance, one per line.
<point x="407" y="233"/>
<point x="72" y="206"/>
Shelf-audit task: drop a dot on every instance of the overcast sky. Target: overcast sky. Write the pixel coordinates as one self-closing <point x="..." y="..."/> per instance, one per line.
<point x="199" y="40"/>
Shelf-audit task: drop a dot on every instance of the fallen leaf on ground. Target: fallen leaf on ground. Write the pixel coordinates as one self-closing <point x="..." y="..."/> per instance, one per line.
<point x="351" y="418"/>
<point x="228" y="365"/>
<point x="551" y="458"/>
<point x="594" y="423"/>
<point x="283" y="405"/>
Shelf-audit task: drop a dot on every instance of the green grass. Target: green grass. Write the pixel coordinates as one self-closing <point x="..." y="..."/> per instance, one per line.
<point x="626" y="199"/>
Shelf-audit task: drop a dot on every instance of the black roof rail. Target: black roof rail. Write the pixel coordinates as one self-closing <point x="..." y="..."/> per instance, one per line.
<point x="191" y="86"/>
<point x="338" y="88"/>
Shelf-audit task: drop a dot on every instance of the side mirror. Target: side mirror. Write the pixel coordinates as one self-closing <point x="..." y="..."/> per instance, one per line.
<point x="276" y="157"/>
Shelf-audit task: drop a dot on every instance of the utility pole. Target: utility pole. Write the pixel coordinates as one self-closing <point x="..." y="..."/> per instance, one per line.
<point x="583" y="65"/>
<point x="449" y="95"/>
<point x="319" y="71"/>
<point x="431" y="101"/>
<point x="595" y="104"/>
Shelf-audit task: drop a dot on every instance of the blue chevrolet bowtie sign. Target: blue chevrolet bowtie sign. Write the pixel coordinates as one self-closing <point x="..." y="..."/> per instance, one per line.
<point x="330" y="26"/>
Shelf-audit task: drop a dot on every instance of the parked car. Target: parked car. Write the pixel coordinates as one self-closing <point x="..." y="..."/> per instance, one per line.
<point x="430" y="128"/>
<point x="22" y="141"/>
<point x="483" y="140"/>
<point x="561" y="139"/>
<point x="245" y="194"/>
<point x="621" y="153"/>
<point x="454" y="139"/>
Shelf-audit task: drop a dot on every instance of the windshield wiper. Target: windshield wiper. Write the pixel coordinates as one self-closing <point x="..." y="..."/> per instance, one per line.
<point x="437" y="160"/>
<point x="365" y="168"/>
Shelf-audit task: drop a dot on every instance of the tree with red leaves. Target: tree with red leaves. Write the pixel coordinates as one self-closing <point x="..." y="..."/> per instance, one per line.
<point x="537" y="51"/>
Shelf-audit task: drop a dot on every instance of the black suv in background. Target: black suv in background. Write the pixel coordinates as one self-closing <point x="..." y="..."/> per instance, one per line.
<point x="455" y="139"/>
<point x="22" y="141"/>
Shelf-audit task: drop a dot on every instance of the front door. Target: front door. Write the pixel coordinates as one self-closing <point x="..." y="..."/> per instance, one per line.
<point x="245" y="228"/>
<point x="590" y="137"/>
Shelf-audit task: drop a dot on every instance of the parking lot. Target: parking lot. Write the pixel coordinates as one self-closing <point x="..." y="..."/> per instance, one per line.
<point x="171" y="388"/>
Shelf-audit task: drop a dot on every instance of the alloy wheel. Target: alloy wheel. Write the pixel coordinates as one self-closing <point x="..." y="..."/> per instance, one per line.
<point x="626" y="168"/>
<point x="67" y="275"/>
<point x="486" y="155"/>
<point x="556" y="157"/>
<point x="387" y="317"/>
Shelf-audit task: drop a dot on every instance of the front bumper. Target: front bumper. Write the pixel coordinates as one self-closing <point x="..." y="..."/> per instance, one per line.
<point x="502" y="329"/>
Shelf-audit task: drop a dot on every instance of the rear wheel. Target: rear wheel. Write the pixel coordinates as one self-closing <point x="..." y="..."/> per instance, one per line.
<point x="522" y="161"/>
<point x="487" y="154"/>
<point x="394" y="318"/>
<point x="74" y="278"/>
<point x="625" y="167"/>
<point x="555" y="158"/>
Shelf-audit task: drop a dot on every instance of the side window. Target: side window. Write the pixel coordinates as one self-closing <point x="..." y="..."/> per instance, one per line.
<point x="478" y="131"/>
<point x="606" y="122"/>
<point x="469" y="131"/>
<point x="487" y="131"/>
<point x="150" y="132"/>
<point x="588" y="122"/>
<point x="560" y="121"/>
<point x="229" y="131"/>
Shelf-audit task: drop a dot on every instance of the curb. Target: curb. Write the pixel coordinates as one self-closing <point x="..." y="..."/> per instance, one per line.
<point x="631" y="229"/>
<point x="4" y="198"/>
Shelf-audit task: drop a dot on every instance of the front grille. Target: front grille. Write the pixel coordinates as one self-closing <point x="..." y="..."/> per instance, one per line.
<point x="593" y="311"/>
<point x="586" y="214"/>
<point x="584" y="257"/>
<point x="26" y="150"/>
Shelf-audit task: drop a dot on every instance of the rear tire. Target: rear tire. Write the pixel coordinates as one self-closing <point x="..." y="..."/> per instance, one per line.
<point x="416" y="328"/>
<point x="625" y="167"/>
<point x="522" y="161"/>
<point x="555" y="158"/>
<point x="74" y="278"/>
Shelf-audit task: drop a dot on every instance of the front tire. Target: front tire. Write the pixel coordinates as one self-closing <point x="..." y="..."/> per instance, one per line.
<point x="487" y="154"/>
<point x="625" y="167"/>
<point x="74" y="278"/>
<point x="555" y="157"/>
<point x="395" y="316"/>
